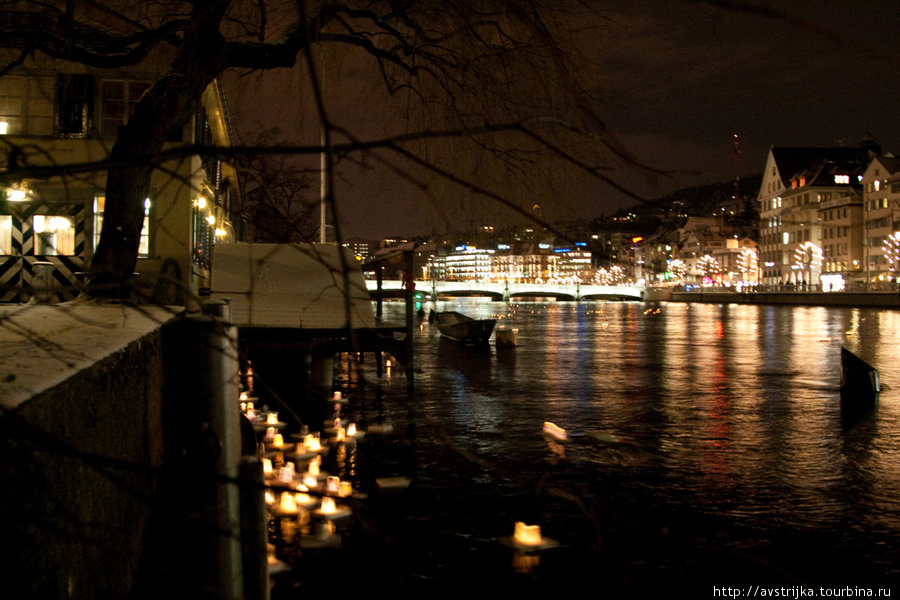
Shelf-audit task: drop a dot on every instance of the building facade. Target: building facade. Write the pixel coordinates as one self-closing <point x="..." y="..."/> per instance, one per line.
<point x="60" y="113"/>
<point x="810" y="215"/>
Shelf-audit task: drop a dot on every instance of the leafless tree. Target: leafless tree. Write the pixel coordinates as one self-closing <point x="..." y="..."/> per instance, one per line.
<point x="496" y="74"/>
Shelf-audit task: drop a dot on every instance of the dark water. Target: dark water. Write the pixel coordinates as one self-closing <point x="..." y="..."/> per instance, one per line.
<point x="707" y="449"/>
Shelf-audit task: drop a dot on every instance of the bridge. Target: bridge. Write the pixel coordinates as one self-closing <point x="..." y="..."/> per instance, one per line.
<point x="506" y="290"/>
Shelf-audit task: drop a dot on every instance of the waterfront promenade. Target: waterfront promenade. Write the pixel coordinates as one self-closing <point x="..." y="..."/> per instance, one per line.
<point x="859" y="299"/>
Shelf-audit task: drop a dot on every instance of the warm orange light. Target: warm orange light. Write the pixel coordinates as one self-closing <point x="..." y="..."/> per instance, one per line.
<point x="288" y="502"/>
<point x="527" y="535"/>
<point x="554" y="431"/>
<point x="328" y="505"/>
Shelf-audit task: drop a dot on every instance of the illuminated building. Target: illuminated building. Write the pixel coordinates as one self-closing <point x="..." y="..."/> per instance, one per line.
<point x="73" y="116"/>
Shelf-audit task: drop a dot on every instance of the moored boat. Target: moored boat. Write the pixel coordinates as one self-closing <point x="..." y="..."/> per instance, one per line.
<point x="461" y="328"/>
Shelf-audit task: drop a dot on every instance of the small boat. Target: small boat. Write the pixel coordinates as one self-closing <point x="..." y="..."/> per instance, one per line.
<point x="458" y="327"/>
<point x="860" y="383"/>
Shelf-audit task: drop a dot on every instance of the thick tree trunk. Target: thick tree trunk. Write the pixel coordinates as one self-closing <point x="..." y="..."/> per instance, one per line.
<point x="165" y="107"/>
<point x="116" y="255"/>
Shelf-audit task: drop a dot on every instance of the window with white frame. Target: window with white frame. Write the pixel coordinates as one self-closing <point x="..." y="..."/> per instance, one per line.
<point x="5" y="235"/>
<point x="26" y="106"/>
<point x="99" y="207"/>
<point x="54" y="235"/>
<point x="117" y="100"/>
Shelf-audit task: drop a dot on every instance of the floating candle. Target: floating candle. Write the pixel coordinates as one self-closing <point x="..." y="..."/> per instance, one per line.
<point x="527" y="535"/>
<point x="312" y="443"/>
<point x="285" y="475"/>
<point x="288" y="502"/>
<point x="333" y="484"/>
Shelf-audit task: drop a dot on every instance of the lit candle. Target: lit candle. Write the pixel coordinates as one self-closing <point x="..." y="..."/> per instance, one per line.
<point x="527" y="535"/>
<point x="328" y="505"/>
<point x="340" y="434"/>
<point x="312" y="443"/>
<point x="337" y="397"/>
<point x="278" y="441"/>
<point x="310" y="481"/>
<point x="351" y="429"/>
<point x="285" y="475"/>
<point x="243" y="396"/>
<point x="313" y="468"/>
<point x="270" y="433"/>
<point x="346" y="489"/>
<point x="270" y="497"/>
<point x="333" y="484"/>
<point x="267" y="467"/>
<point x="302" y="498"/>
<point x="288" y="502"/>
<point x="272" y="418"/>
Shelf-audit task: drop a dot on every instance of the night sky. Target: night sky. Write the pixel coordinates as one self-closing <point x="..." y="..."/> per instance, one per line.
<point x="673" y="82"/>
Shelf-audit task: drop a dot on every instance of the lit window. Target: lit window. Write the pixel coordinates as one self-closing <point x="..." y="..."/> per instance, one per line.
<point x="842" y="179"/>
<point x="5" y="235"/>
<point x="99" y="206"/>
<point x="53" y="235"/>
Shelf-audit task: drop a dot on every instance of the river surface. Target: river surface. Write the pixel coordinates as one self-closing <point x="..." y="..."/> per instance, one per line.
<point x="707" y="449"/>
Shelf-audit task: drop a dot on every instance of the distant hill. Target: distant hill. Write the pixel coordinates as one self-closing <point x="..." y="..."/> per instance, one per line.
<point x="701" y="200"/>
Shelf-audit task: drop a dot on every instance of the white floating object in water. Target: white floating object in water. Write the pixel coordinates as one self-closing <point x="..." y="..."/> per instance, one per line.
<point x="556" y="432"/>
<point x="528" y="535"/>
<point x="507" y="337"/>
<point x="392" y="483"/>
<point x="288" y="503"/>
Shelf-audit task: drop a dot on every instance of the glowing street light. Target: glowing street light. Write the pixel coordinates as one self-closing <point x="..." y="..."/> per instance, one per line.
<point x="892" y="251"/>
<point x="678" y="268"/>
<point x="707" y="265"/>
<point x="747" y="261"/>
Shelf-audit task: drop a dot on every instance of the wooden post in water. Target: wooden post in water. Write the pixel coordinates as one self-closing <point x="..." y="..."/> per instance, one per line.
<point x="410" y="285"/>
<point x="253" y="529"/>
<point x="200" y="523"/>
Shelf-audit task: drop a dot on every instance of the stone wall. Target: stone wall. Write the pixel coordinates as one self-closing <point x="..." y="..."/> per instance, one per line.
<point x="77" y="474"/>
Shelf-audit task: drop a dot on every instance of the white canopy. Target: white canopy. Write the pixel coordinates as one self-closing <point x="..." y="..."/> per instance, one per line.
<point x="305" y="286"/>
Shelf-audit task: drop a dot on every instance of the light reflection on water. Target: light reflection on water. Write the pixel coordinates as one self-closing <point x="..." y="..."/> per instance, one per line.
<point x="723" y="414"/>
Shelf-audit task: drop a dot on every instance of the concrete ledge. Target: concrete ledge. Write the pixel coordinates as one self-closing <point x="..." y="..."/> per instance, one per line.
<point x="80" y="444"/>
